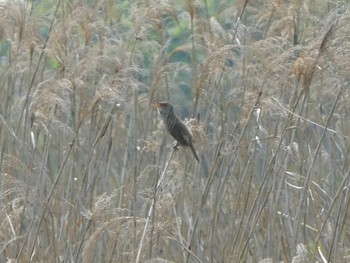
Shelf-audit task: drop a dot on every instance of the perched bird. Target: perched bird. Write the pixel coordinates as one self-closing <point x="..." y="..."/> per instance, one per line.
<point x="175" y="126"/>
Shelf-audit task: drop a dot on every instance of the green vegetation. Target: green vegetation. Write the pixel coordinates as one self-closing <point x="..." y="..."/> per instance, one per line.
<point x="88" y="173"/>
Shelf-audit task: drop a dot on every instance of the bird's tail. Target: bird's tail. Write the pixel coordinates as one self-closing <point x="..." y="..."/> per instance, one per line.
<point x="194" y="152"/>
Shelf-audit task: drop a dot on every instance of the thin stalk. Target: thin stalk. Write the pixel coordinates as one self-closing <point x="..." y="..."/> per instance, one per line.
<point x="152" y="207"/>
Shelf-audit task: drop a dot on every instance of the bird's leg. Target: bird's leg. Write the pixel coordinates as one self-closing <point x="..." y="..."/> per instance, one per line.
<point x="176" y="147"/>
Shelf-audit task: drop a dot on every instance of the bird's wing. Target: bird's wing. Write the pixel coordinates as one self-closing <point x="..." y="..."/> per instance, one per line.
<point x="183" y="136"/>
<point x="181" y="133"/>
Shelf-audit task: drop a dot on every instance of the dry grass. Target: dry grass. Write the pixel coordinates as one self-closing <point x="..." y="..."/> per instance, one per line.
<point x="88" y="173"/>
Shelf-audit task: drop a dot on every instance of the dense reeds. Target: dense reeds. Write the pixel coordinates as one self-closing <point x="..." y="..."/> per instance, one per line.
<point x="88" y="173"/>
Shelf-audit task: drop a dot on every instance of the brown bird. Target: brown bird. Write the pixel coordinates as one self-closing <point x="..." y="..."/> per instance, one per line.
<point x="175" y="126"/>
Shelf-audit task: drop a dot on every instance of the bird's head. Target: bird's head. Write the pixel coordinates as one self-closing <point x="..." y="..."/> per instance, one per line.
<point x="164" y="107"/>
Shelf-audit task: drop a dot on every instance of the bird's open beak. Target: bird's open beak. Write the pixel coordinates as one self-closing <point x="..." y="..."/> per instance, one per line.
<point x="157" y="104"/>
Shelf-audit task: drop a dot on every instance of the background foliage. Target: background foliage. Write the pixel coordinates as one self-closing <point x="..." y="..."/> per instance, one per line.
<point x="88" y="173"/>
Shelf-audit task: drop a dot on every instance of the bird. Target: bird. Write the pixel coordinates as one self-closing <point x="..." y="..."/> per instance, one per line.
<point x="176" y="127"/>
